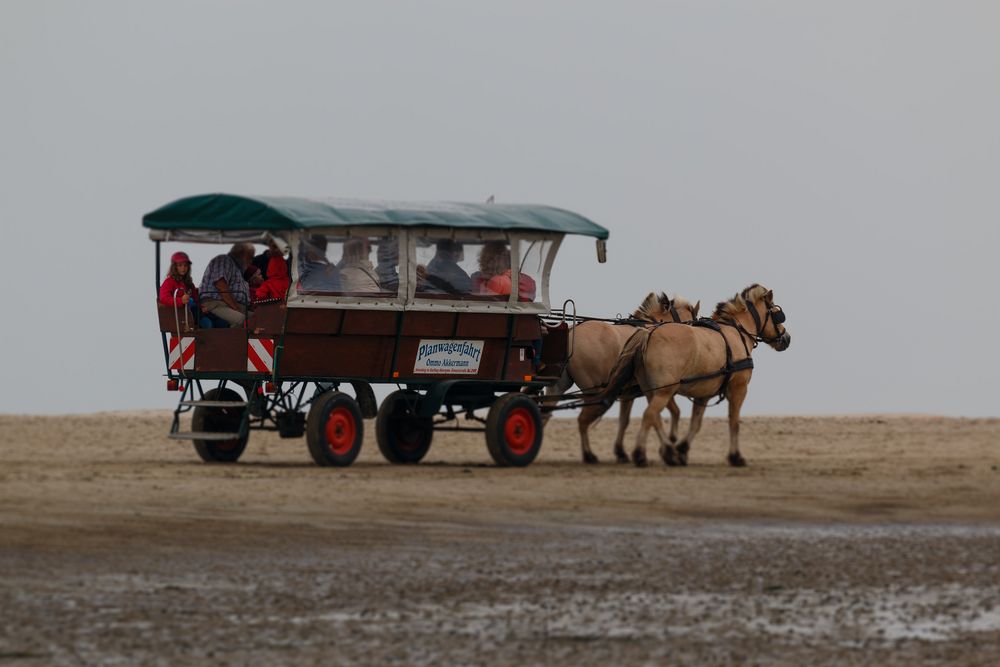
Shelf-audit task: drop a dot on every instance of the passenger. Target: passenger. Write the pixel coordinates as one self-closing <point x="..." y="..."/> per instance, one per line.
<point x="495" y="273"/>
<point x="263" y="259"/>
<point x="225" y="292"/>
<point x="316" y="273"/>
<point x="494" y="259"/>
<point x="277" y="282"/>
<point x="388" y="260"/>
<point x="356" y="271"/>
<point x="501" y="284"/>
<point x="443" y="272"/>
<point x="178" y="289"/>
<point x="253" y="276"/>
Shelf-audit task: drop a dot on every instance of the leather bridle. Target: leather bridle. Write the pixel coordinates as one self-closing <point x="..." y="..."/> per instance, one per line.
<point x="771" y="312"/>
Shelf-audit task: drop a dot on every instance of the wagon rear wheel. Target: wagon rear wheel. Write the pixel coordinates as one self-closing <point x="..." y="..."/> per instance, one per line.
<point x="219" y="420"/>
<point x="403" y="437"/>
<point x="334" y="429"/>
<point x="514" y="430"/>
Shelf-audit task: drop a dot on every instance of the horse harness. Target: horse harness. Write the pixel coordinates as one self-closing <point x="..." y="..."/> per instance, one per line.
<point x="731" y="367"/>
<point x="638" y="322"/>
<point x="743" y="364"/>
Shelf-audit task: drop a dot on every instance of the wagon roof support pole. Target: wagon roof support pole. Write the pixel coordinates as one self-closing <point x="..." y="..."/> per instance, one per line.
<point x="163" y="335"/>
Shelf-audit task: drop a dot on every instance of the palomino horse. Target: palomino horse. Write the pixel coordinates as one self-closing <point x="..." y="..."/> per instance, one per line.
<point x="711" y="358"/>
<point x="597" y="346"/>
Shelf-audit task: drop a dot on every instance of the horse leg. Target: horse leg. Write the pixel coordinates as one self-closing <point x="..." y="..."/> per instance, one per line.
<point x="697" y="412"/>
<point x="667" y="451"/>
<point x="675" y="418"/>
<point x="736" y="396"/>
<point x="625" y="412"/>
<point x="588" y="416"/>
<point x="650" y="419"/>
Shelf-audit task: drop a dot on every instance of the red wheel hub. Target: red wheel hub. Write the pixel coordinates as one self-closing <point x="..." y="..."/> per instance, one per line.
<point x="519" y="431"/>
<point x="341" y="430"/>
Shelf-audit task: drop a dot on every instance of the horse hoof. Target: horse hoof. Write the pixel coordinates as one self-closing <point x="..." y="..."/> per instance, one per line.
<point x="672" y="439"/>
<point x="639" y="459"/>
<point x="682" y="453"/>
<point x="669" y="455"/>
<point x="621" y="457"/>
<point x="737" y="461"/>
<point x="589" y="458"/>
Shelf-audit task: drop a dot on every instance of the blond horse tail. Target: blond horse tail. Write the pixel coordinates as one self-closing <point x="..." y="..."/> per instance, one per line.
<point x="624" y="372"/>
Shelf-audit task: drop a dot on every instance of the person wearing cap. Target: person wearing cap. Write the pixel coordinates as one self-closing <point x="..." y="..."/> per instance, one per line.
<point x="178" y="289"/>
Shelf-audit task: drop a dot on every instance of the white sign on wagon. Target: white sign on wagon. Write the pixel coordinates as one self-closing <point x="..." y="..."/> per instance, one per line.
<point x="448" y="357"/>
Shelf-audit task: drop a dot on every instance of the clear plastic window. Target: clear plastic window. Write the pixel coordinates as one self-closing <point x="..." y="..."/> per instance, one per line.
<point x="365" y="266"/>
<point x="533" y="254"/>
<point x="468" y="271"/>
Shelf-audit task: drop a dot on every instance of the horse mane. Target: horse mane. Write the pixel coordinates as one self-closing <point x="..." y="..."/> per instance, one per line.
<point x="656" y="307"/>
<point x="728" y="310"/>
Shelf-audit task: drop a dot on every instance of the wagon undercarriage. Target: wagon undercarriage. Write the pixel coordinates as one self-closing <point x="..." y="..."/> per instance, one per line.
<point x="332" y="420"/>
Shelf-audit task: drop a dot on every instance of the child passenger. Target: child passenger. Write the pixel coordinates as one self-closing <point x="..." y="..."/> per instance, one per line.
<point x="178" y="289"/>
<point x="275" y="286"/>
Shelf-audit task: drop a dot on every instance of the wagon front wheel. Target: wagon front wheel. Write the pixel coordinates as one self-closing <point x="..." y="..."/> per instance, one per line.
<point x="403" y="436"/>
<point x="514" y="430"/>
<point x="220" y="420"/>
<point x="334" y="429"/>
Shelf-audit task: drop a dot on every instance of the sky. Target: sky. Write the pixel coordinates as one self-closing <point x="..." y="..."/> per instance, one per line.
<point x="846" y="155"/>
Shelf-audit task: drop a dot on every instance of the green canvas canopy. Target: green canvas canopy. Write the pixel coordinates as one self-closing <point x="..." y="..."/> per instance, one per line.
<point x="224" y="212"/>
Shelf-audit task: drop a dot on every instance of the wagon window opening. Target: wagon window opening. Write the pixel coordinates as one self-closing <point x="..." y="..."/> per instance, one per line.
<point x="448" y="268"/>
<point x="533" y="254"/>
<point x="365" y="266"/>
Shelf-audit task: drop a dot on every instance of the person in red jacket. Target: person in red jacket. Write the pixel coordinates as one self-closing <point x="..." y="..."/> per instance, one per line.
<point x="494" y="276"/>
<point x="178" y="288"/>
<point x="277" y="282"/>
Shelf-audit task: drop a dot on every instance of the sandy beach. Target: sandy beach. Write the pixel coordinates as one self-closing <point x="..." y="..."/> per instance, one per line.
<point x="848" y="540"/>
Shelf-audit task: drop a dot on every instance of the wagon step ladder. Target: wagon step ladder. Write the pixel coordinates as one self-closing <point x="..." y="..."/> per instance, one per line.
<point x="185" y="404"/>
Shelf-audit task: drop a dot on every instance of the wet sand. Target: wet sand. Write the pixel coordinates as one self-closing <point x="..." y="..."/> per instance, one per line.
<point x="848" y="540"/>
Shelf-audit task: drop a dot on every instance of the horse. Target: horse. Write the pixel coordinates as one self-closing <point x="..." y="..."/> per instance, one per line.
<point x="700" y="361"/>
<point x="596" y="347"/>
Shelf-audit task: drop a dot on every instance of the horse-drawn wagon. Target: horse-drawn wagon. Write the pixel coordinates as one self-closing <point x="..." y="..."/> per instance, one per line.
<point x="455" y="311"/>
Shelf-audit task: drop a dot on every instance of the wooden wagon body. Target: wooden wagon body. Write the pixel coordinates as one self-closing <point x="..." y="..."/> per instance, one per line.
<point x="451" y="352"/>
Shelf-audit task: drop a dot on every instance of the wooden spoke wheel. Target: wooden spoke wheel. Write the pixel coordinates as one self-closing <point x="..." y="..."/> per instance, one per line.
<point x="403" y="437"/>
<point x="219" y="420"/>
<point x="334" y="429"/>
<point x="514" y="430"/>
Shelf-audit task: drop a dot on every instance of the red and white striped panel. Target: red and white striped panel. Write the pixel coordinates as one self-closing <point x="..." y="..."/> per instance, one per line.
<point x="260" y="355"/>
<point x="181" y="354"/>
